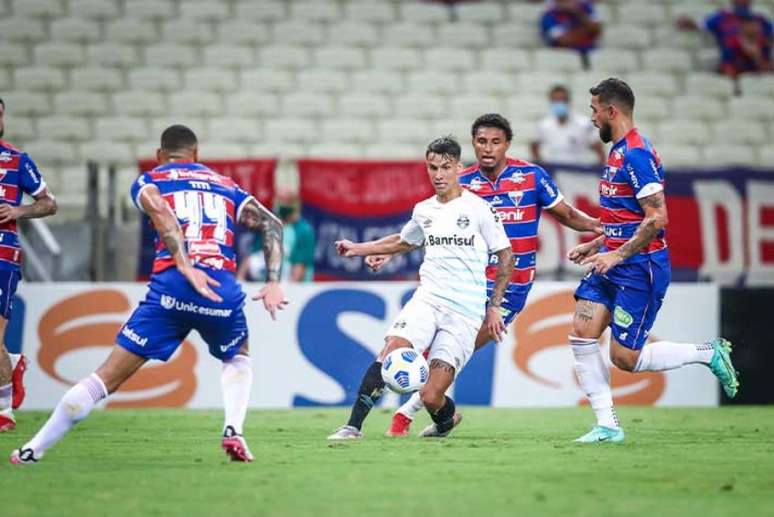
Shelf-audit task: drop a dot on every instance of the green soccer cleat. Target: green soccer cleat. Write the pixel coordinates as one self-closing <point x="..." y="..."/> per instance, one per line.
<point x="722" y="367"/>
<point x="601" y="434"/>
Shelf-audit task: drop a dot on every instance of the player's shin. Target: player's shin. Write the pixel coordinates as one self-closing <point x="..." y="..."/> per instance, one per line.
<point x="412" y="406"/>
<point x="368" y="395"/>
<point x="6" y="388"/>
<point x="444" y="417"/>
<point x="665" y="355"/>
<point x="76" y="404"/>
<point x="594" y="379"/>
<point x="236" y="381"/>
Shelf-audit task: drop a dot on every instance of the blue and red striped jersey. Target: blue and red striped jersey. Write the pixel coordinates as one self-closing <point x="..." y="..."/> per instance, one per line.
<point x="18" y="175"/>
<point x="633" y="172"/>
<point x="521" y="190"/>
<point x="207" y="206"/>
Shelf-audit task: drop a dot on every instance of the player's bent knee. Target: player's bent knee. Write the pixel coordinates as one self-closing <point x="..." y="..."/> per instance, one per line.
<point x="433" y="399"/>
<point x="624" y="359"/>
<point x="393" y="343"/>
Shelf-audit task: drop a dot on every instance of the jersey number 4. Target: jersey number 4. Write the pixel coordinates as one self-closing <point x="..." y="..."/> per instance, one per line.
<point x="203" y="214"/>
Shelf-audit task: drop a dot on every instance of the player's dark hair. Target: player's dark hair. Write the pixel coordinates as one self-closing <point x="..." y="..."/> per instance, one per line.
<point x="559" y="88"/>
<point x="494" y="120"/>
<point x="616" y="92"/>
<point x="177" y="138"/>
<point x="445" y="146"/>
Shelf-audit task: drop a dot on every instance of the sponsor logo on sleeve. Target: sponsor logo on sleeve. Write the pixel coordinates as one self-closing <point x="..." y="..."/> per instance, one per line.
<point x="551" y="190"/>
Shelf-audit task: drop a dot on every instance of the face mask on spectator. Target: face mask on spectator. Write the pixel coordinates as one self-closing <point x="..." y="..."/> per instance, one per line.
<point x="560" y="109"/>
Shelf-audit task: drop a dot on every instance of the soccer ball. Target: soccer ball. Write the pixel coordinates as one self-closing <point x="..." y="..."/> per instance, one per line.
<point x="404" y="370"/>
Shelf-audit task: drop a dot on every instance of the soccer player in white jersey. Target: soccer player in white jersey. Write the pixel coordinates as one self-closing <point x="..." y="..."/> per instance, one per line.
<point x="458" y="231"/>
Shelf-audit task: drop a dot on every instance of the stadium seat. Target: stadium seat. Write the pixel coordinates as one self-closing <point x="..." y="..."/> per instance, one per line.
<point x="13" y="54"/>
<point x="121" y="129"/>
<point x="526" y="106"/>
<point x="97" y="79"/>
<point x="505" y="59"/>
<point x="252" y="104"/>
<point x="614" y="61"/>
<point x="18" y="29"/>
<point x="87" y="104"/>
<point x="150" y="9"/>
<point x="499" y="83"/>
<point x="704" y="84"/>
<point x="725" y="155"/>
<point x="187" y="32"/>
<point x="334" y="151"/>
<point x="757" y="85"/>
<point x="132" y="30"/>
<point x="322" y="80"/>
<point x="299" y="32"/>
<point x="5" y="79"/>
<point x="394" y="152"/>
<point x="154" y="79"/>
<point x="24" y="102"/>
<point x="433" y="82"/>
<point x="110" y="54"/>
<point x="75" y="30"/>
<point x="457" y="127"/>
<point x="517" y="36"/>
<point x="653" y="83"/>
<point x="606" y="13"/>
<point x="420" y="106"/>
<point x="409" y="34"/>
<point x="395" y="58"/>
<point x="527" y="13"/>
<point x="307" y="104"/>
<point x="315" y="10"/>
<point x="283" y="56"/>
<point x="38" y="8"/>
<point x="666" y="59"/>
<point x="205" y="10"/>
<point x="480" y="12"/>
<point x="63" y="128"/>
<point x="263" y="11"/>
<point x="58" y="54"/>
<point x="352" y="33"/>
<point x="347" y="130"/>
<point x="195" y="104"/>
<point x="50" y="152"/>
<point x="557" y="60"/>
<point x="473" y="105"/>
<point x="284" y="150"/>
<point x="287" y="129"/>
<point x="676" y="156"/>
<point x="449" y="58"/>
<point x="667" y="36"/>
<point x="539" y="82"/>
<point x="266" y="79"/>
<point x="19" y="129"/>
<point x="160" y="123"/>
<point x="138" y="103"/>
<point x="463" y="35"/>
<point x="684" y="132"/>
<point x="626" y="36"/>
<point x="93" y="9"/>
<point x="740" y="131"/>
<point x="107" y="152"/>
<point x="424" y="12"/>
<point x="38" y="78"/>
<point x="376" y="80"/>
<point x="218" y="150"/>
<point x="170" y="55"/>
<point x="244" y="32"/>
<point x="694" y="106"/>
<point x="210" y="79"/>
<point x="404" y="131"/>
<point x="695" y="9"/>
<point x="372" y="11"/>
<point x="228" y="56"/>
<point x="650" y="13"/>
<point x="340" y="58"/>
<point x="766" y="157"/>
<point x="752" y="106"/>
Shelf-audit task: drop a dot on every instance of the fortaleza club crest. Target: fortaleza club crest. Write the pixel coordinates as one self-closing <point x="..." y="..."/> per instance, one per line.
<point x="167" y="302"/>
<point x="516" y="197"/>
<point x="463" y="221"/>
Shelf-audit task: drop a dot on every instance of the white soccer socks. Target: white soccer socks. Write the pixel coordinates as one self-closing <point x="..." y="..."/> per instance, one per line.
<point x="236" y="380"/>
<point x="665" y="355"/>
<point x="412" y="406"/>
<point x="14" y="360"/>
<point x="5" y="400"/>
<point x="594" y="378"/>
<point x="76" y="404"/>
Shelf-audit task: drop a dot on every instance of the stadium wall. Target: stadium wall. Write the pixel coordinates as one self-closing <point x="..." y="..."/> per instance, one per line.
<point x="314" y="355"/>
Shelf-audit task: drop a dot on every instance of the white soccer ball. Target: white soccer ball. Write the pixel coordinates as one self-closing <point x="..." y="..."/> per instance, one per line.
<point x="404" y="370"/>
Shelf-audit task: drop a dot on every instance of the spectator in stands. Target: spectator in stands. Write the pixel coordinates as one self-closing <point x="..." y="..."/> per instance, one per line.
<point x="571" y="24"/>
<point x="743" y="36"/>
<point x="566" y="137"/>
<point x="298" y="241"/>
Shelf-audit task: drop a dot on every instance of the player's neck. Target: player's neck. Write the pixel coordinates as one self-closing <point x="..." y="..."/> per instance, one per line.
<point x="494" y="172"/>
<point x="449" y="196"/>
<point x="621" y="129"/>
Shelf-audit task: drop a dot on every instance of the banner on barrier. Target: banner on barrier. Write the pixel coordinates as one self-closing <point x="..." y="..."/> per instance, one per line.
<point x="317" y="351"/>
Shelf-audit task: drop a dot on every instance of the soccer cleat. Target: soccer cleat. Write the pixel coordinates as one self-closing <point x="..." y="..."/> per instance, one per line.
<point x="346" y="432"/>
<point x="722" y="367"/>
<point x="432" y="432"/>
<point x="23" y="457"/>
<point x="17" y="380"/>
<point x="600" y="434"/>
<point x="7" y="423"/>
<point x="235" y="446"/>
<point x="399" y="427"/>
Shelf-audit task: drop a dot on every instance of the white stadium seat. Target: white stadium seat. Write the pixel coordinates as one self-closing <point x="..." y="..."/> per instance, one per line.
<point x="150" y="9"/>
<point x="464" y="35"/>
<point x="263" y="11"/>
<point x="228" y="56"/>
<point x="48" y="152"/>
<point x="395" y="58"/>
<point x="218" y="150"/>
<point x="517" y="36"/>
<point x="266" y="79"/>
<point x="292" y="130"/>
<point x="697" y="107"/>
<point x="205" y="10"/>
<point x="97" y="79"/>
<point x="132" y="30"/>
<point x="481" y="12"/>
<point x="751" y="106"/>
<point x="409" y="34"/>
<point x="740" y="131"/>
<point x="38" y="8"/>
<point x="13" y="54"/>
<point x="347" y="130"/>
<point x="170" y="55"/>
<point x="766" y="157"/>
<point x="721" y="155"/>
<point x="39" y="78"/>
<point x="653" y="83"/>
<point x="614" y="61"/>
<point x="706" y="84"/>
<point x="139" y="103"/>
<point x="626" y="37"/>
<point x="107" y="152"/>
<point x="757" y="85"/>
<point x="315" y="10"/>
<point x="499" y="83"/>
<point x="650" y="13"/>
<point x="406" y="130"/>
<point x="112" y="54"/>
<point x="375" y="11"/>
<point x="606" y="13"/>
<point x="684" y="132"/>
<point x="539" y="82"/>
<point x="526" y="106"/>
<point x="340" y="58"/>
<point x="678" y="156"/>
<point x="307" y="104"/>
<point x="5" y="79"/>
<point x="17" y="28"/>
<point x="473" y="105"/>
<point x="364" y="105"/>
<point x="283" y="150"/>
<point x="197" y="125"/>
<point x="449" y="58"/>
<point x="334" y="151"/>
<point x="670" y="60"/>
<point x="244" y="32"/>
<point x="298" y="32"/>
<point x="94" y="9"/>
<point x="394" y="151"/>
<point x="424" y="12"/>
<point x="121" y="129"/>
<point x="58" y="54"/>
<point x="195" y="104"/>
<point x="378" y="81"/>
<point x="457" y="127"/>
<point x="63" y="128"/>
<point x="187" y="32"/>
<point x="352" y="33"/>
<point x="420" y="106"/>
<point x="252" y="104"/>
<point x="211" y="79"/>
<point x="75" y="30"/>
<point x="322" y="80"/>
<point x="557" y="60"/>
<point x="505" y="59"/>
<point x="24" y="102"/>
<point x="154" y="79"/>
<point x="525" y="12"/>
<point x="695" y="9"/>
<point x="283" y="56"/>
<point x="81" y="103"/>
<point x="19" y="129"/>
<point x="433" y="82"/>
<point x="242" y="130"/>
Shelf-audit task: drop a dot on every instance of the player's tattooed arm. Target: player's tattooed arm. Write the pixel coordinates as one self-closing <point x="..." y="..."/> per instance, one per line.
<point x="437" y="364"/>
<point x="259" y="219"/>
<point x="44" y="205"/>
<point x="574" y="218"/>
<point x="655" y="220"/>
<point x="505" y="262"/>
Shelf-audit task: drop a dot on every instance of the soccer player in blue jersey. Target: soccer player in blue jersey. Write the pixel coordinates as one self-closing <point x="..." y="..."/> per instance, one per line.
<point x="18" y="175"/>
<point x="193" y="287"/>
<point x="630" y="269"/>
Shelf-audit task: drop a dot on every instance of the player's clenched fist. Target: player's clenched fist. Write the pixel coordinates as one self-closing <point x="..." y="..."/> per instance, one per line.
<point x="377" y="262"/>
<point x="8" y="213"/>
<point x="346" y="248"/>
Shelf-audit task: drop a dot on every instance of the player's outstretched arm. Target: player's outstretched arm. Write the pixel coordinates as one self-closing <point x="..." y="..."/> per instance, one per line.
<point x="588" y="249"/>
<point x="258" y="218"/>
<point x="43" y="206"/>
<point x="389" y="245"/>
<point x="578" y="220"/>
<point x="494" y="319"/>
<point x="170" y="233"/>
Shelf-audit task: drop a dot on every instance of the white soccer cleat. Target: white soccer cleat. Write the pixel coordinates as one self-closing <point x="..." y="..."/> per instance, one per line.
<point x="346" y="432"/>
<point x="432" y="432"/>
<point x="235" y="446"/>
<point x="23" y="457"/>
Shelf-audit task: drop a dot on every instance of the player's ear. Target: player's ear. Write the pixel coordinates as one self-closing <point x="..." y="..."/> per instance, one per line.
<point x="159" y="156"/>
<point x="196" y="153"/>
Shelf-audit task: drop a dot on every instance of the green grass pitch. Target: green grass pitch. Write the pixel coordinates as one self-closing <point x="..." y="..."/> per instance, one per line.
<point x="682" y="462"/>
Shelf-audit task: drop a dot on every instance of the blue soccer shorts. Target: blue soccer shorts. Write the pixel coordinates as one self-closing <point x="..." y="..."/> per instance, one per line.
<point x="9" y="279"/>
<point x="172" y="309"/>
<point x="513" y="301"/>
<point x="633" y="293"/>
